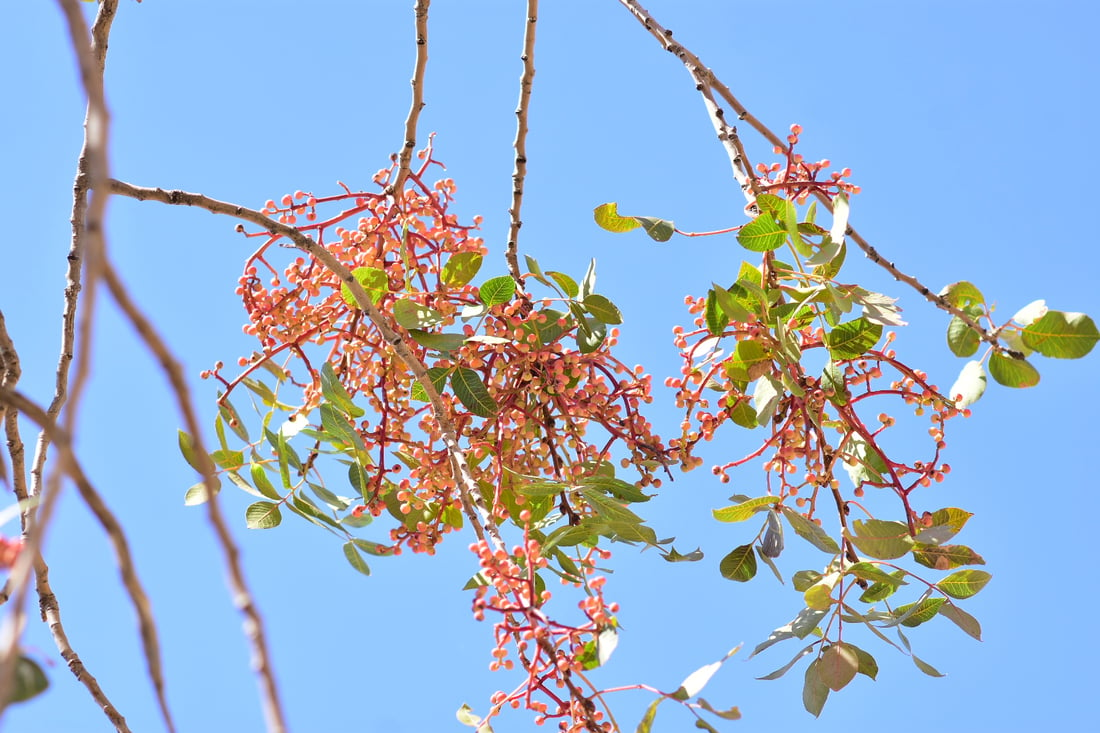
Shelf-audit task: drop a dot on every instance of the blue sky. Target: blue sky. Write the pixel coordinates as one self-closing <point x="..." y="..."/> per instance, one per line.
<point x="968" y="125"/>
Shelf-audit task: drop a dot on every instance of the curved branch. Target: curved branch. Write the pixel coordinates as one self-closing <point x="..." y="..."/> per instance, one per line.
<point x="420" y="10"/>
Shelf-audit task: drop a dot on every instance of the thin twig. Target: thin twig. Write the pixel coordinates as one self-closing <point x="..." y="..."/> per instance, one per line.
<point x="472" y="501"/>
<point x="420" y="10"/>
<point x="706" y="80"/>
<point x="526" y="79"/>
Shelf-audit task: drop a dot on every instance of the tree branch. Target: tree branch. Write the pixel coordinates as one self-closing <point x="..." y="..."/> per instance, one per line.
<point x="526" y="79"/>
<point x="705" y="81"/>
<point x="472" y="502"/>
<point x="420" y="10"/>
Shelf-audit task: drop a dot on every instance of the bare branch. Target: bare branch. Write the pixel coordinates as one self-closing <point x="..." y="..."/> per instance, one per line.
<point x="526" y="80"/>
<point x="705" y="81"/>
<point x="420" y="10"/>
<point x="472" y="502"/>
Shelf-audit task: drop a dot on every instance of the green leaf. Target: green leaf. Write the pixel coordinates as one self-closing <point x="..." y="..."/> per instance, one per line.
<point x="338" y="431"/>
<point x="375" y="281"/>
<point x="442" y="342"/>
<point x="925" y="667"/>
<point x="871" y="572"/>
<point x="461" y="268"/>
<point x="187" y="448"/>
<point x="410" y="314"/>
<point x="28" y="680"/>
<point x="262" y="515"/>
<point x="852" y="339"/>
<point x="616" y="487"/>
<point x="748" y="361"/>
<point x="645" y="725"/>
<point x="810" y="532"/>
<point x="659" y="230"/>
<point x="355" y="559"/>
<point x="946" y="523"/>
<point x="840" y="218"/>
<point x="230" y="460"/>
<point x="962" y="294"/>
<point x="731" y="306"/>
<point x="762" y="234"/>
<point x="566" y="283"/>
<point x="837" y="666"/>
<point x="232" y="418"/>
<point x="961" y="338"/>
<point x="867" y="664"/>
<point x="744" y="510"/>
<point x="438" y="377"/>
<point x="1062" y="335"/>
<point x="819" y="596"/>
<point x="591" y="336"/>
<point x="1012" y="372"/>
<point x="588" y="284"/>
<point x="970" y="385"/>
<point x="716" y="319"/>
<point x="263" y="484"/>
<point x="497" y="290"/>
<point x="332" y="389"/>
<point x="863" y="462"/>
<point x="765" y="398"/>
<point x="915" y="614"/>
<point x="673" y="556"/>
<point x="964" y="583"/>
<point x="739" y="565"/>
<point x="803" y="579"/>
<point x="776" y="674"/>
<point x="730" y="714"/>
<point x="962" y="619"/>
<point x="197" y="494"/>
<point x="882" y="540"/>
<point x="946" y="557"/>
<point x="549" y="330"/>
<point x="602" y="309"/>
<point x="814" y="690"/>
<point x="882" y="590"/>
<point x="472" y="392"/>
<point x="832" y="381"/>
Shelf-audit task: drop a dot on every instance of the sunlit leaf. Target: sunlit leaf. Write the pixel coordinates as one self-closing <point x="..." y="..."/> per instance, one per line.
<point x="602" y="309"/>
<point x="262" y="515"/>
<point x="964" y="583"/>
<point x="461" y="268"/>
<point x="472" y="392"/>
<point x="497" y="290"/>
<point x="852" y="339"/>
<point x="1062" y="335"/>
<point x="970" y="385"/>
<point x="1012" y="372"/>
<point x="741" y="512"/>
<point x="375" y="282"/>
